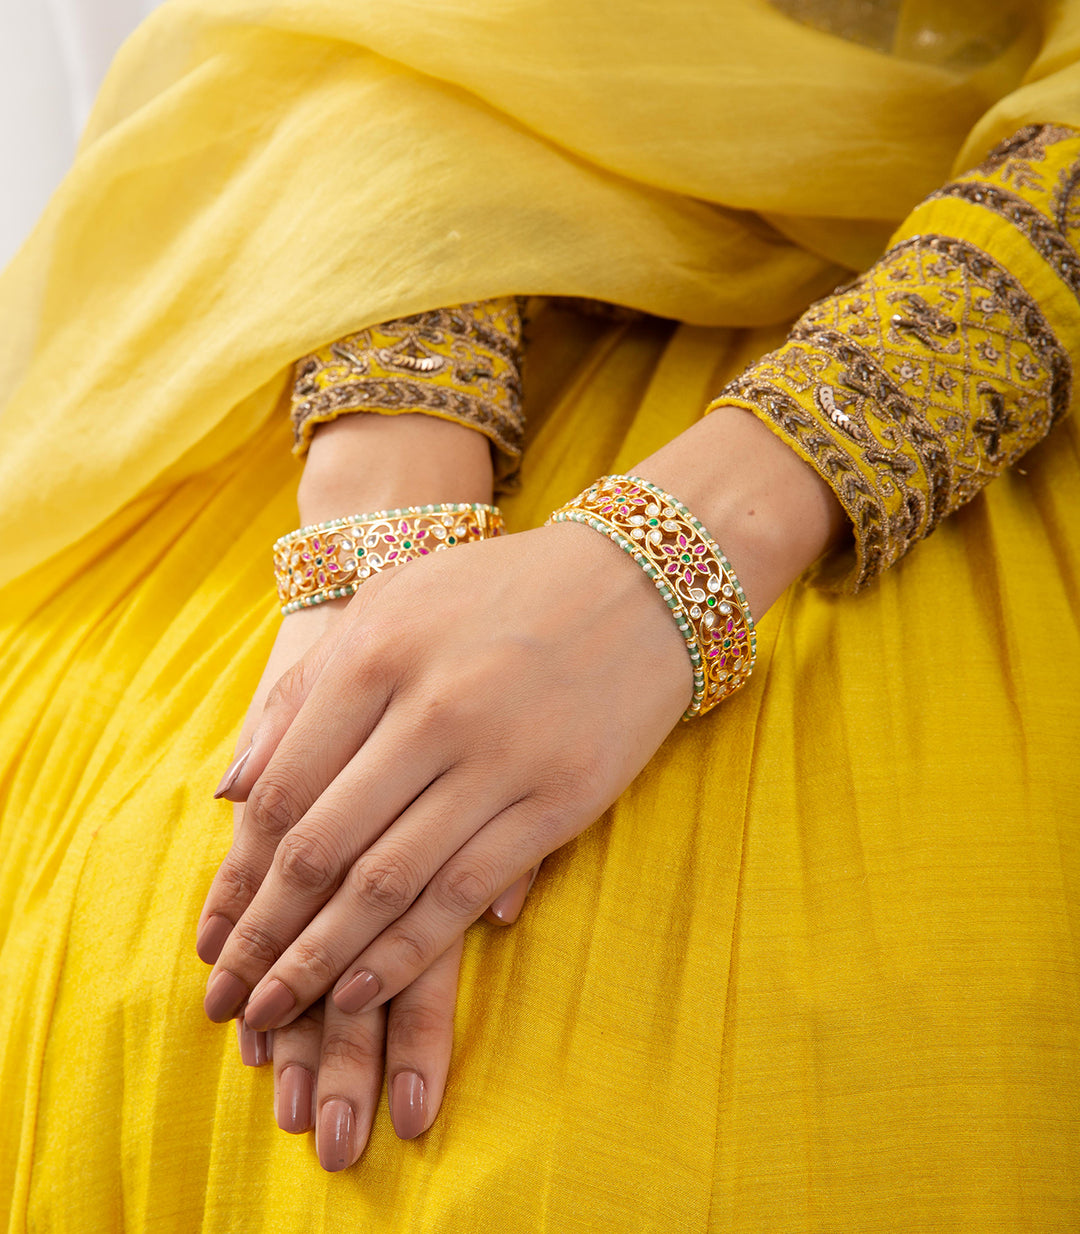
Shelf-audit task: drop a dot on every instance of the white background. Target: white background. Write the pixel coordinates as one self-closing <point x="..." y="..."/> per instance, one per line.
<point x="53" y="56"/>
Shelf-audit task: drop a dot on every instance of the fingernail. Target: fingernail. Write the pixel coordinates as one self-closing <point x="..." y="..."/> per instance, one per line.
<point x="212" y="938"/>
<point x="408" y="1105"/>
<point x="295" y="1090"/>
<point x="254" y="1047"/>
<point x="507" y="907"/>
<point x="224" y="997"/>
<point x="357" y="992"/>
<point x="233" y="774"/>
<point x="272" y="1003"/>
<point x="334" y="1138"/>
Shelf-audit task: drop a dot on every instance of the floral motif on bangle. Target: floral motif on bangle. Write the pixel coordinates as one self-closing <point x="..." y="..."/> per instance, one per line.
<point x="329" y="561"/>
<point x="692" y="575"/>
<point x="461" y="364"/>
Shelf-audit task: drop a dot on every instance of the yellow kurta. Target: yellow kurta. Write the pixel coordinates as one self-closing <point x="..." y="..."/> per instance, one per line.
<point x="817" y="970"/>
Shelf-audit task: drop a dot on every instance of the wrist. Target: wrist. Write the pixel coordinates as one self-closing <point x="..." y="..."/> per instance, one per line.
<point x="771" y="514"/>
<point x="361" y="463"/>
<point x="624" y="609"/>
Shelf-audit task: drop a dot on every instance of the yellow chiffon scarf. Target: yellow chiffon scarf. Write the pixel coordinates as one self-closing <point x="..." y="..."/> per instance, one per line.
<point x="258" y="178"/>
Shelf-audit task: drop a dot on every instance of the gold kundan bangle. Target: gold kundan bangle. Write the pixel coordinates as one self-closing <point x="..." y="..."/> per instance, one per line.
<point x="692" y="575"/>
<point x="329" y="561"/>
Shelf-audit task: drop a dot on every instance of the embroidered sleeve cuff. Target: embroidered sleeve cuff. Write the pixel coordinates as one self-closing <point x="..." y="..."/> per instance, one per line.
<point x="461" y="364"/>
<point x="913" y="387"/>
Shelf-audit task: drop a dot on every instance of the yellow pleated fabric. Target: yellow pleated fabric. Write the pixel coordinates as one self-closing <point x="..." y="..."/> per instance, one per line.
<point x="817" y="970"/>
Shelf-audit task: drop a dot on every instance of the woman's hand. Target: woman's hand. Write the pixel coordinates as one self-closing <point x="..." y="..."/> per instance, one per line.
<point x="328" y="1066"/>
<point x="475" y="712"/>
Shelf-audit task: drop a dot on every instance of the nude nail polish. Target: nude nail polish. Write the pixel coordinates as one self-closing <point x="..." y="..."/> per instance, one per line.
<point x="224" y="997"/>
<point x="212" y="938"/>
<point x="506" y="908"/>
<point x="295" y="1090"/>
<point x="254" y="1047"/>
<point x="334" y="1137"/>
<point x="357" y="992"/>
<point x="272" y="1003"/>
<point x="233" y="773"/>
<point x="408" y="1105"/>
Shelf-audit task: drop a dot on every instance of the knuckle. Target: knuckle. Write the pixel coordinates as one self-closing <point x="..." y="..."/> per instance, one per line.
<point x="441" y="711"/>
<point x="290" y="688"/>
<point x="579" y="772"/>
<point x="465" y="890"/>
<point x="297" y="1038"/>
<point x="316" y="966"/>
<point x="413" y="947"/>
<point x="255" y="943"/>
<point x="271" y="808"/>
<point x="345" y="1050"/>
<point x="387" y="883"/>
<point x="415" y="1024"/>
<point x="235" y="883"/>
<point x="548" y="821"/>
<point x="305" y="864"/>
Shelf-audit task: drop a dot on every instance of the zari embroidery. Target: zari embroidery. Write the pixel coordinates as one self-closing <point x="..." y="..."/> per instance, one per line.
<point x="1031" y="180"/>
<point x="911" y="388"/>
<point x="461" y="363"/>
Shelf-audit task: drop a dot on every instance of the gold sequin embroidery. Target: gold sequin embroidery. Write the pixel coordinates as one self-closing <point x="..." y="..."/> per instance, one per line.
<point x="1032" y="181"/>
<point x="911" y="388"/>
<point x="461" y="363"/>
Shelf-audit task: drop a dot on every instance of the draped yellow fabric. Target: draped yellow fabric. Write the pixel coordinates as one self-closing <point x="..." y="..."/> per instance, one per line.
<point x="260" y="178"/>
<point x="817" y="970"/>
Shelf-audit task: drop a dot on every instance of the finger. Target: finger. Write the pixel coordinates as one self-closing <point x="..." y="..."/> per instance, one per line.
<point x="289" y="786"/>
<point x="419" y="1039"/>
<point x="235" y="883"/>
<point x="454" y="898"/>
<point x="506" y="908"/>
<point x="349" y="1083"/>
<point x="254" y="1047"/>
<point x="283" y="698"/>
<point x="309" y="866"/>
<point x="296" y="1064"/>
<point x="379" y="886"/>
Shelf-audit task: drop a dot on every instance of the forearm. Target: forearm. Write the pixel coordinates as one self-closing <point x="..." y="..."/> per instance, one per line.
<point x="771" y="514"/>
<point x="363" y="463"/>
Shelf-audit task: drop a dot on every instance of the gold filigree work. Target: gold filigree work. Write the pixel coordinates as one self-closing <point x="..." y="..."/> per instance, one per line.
<point x="461" y="363"/>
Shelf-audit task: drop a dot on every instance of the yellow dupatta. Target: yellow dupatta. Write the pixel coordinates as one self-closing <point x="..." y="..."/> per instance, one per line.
<point x="260" y="177"/>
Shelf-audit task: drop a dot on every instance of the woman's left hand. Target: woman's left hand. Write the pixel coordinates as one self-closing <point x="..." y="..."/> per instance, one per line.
<point x="475" y="712"/>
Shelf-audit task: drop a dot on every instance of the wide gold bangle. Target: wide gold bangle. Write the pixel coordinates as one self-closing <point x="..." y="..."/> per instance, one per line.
<point x="693" y="576"/>
<point x="329" y="561"/>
